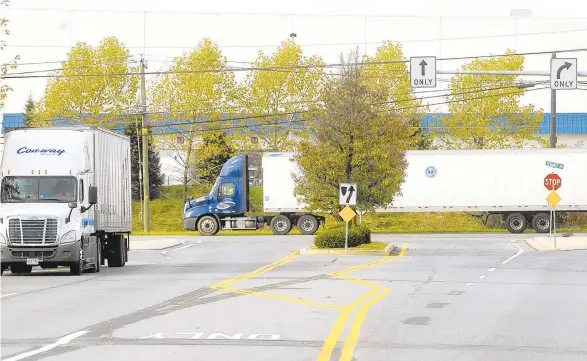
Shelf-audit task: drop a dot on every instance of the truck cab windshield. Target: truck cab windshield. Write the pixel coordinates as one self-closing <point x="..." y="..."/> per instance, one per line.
<point x="31" y="189"/>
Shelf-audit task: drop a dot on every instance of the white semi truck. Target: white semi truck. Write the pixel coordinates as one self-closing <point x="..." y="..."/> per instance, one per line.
<point x="65" y="199"/>
<point x="505" y="182"/>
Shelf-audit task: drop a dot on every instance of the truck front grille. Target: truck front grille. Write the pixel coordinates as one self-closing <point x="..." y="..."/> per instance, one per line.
<point x="32" y="231"/>
<point x="33" y="254"/>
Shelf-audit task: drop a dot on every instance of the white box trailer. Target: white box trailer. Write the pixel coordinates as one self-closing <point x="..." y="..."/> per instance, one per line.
<point x="507" y="182"/>
<point x="278" y="183"/>
<point x="65" y="199"/>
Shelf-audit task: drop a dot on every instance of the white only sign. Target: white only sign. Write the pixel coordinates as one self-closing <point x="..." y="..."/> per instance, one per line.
<point x="347" y="194"/>
<point x="423" y="72"/>
<point x="563" y="74"/>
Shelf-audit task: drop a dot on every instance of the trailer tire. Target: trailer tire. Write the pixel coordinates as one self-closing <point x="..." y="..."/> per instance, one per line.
<point x="308" y="224"/>
<point x="208" y="226"/>
<point x="541" y="223"/>
<point x="116" y="251"/>
<point x="516" y="223"/>
<point x="280" y="225"/>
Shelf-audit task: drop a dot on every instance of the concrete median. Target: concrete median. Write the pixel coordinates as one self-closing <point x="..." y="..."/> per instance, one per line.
<point x="563" y="243"/>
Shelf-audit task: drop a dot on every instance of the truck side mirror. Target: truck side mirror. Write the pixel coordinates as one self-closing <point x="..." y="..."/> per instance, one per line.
<point x="93" y="195"/>
<point x="72" y="206"/>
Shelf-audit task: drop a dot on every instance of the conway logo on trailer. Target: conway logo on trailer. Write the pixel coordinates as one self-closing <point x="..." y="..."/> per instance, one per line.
<point x="41" y="151"/>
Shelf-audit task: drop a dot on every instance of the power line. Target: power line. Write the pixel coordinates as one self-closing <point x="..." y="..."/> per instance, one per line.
<point x="69" y="68"/>
<point x="183" y="12"/>
<point x="62" y="61"/>
<point x="300" y="112"/>
<point x="282" y="68"/>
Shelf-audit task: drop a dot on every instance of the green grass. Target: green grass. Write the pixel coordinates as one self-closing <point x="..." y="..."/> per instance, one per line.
<point x="373" y="246"/>
<point x="167" y="218"/>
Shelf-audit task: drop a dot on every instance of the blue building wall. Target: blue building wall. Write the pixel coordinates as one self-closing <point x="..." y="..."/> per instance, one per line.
<point x="567" y="123"/>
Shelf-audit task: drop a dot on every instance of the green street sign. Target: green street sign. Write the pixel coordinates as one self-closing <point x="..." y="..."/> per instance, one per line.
<point x="555" y="165"/>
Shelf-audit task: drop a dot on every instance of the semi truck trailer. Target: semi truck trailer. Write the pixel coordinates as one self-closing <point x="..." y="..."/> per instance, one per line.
<point x="226" y="205"/>
<point x="65" y="199"/>
<point x="509" y="183"/>
<point x="506" y="182"/>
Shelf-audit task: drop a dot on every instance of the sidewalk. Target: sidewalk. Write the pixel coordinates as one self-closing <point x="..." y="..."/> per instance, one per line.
<point x="571" y="243"/>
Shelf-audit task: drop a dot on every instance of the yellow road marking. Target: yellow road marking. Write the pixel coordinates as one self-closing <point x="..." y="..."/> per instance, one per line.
<point x="284" y="298"/>
<point x="259" y="271"/>
<point x="377" y="292"/>
<point x="336" y="331"/>
<point x="352" y="339"/>
<point x="355" y="330"/>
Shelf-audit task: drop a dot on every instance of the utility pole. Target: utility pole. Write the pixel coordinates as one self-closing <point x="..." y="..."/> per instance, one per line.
<point x="145" y="132"/>
<point x="553" y="114"/>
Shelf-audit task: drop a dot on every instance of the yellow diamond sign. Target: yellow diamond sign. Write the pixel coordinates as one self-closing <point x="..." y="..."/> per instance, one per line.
<point x="347" y="214"/>
<point x="553" y="199"/>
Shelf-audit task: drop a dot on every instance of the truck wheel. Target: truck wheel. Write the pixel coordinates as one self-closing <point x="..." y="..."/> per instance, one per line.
<point x="17" y="268"/>
<point x="280" y="225"/>
<point x="208" y="226"/>
<point x="541" y="223"/>
<point x="516" y="223"/>
<point x="116" y="251"/>
<point x="76" y="268"/>
<point x="308" y="224"/>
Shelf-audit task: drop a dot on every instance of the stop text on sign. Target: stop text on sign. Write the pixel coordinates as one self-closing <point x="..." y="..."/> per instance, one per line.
<point x="552" y="182"/>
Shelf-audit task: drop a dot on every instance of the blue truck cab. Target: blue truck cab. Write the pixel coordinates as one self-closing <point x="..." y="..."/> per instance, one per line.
<point x="226" y="205"/>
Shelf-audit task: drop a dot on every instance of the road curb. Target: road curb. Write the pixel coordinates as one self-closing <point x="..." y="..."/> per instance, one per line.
<point x="389" y="250"/>
<point x="539" y="243"/>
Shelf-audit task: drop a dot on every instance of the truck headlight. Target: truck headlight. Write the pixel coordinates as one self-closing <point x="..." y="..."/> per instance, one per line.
<point x="69" y="237"/>
<point x="2" y="239"/>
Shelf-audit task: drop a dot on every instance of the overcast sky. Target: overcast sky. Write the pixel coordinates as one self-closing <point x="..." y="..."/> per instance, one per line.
<point x="164" y="29"/>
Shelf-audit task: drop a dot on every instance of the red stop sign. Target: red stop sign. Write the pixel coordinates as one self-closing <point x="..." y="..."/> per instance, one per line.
<point x="552" y="182"/>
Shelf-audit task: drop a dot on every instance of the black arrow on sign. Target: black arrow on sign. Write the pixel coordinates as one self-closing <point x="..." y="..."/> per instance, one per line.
<point x="565" y="66"/>
<point x="351" y="191"/>
<point x="423" y="64"/>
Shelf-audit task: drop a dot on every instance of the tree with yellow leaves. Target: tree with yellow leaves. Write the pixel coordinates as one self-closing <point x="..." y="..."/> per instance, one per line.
<point x="95" y="86"/>
<point x="4" y="88"/>
<point x="387" y="71"/>
<point x="194" y="94"/>
<point x="286" y="83"/>
<point x="485" y="110"/>
<point x="355" y="139"/>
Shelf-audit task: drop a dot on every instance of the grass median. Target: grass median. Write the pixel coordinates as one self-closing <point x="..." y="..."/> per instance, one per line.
<point x="167" y="218"/>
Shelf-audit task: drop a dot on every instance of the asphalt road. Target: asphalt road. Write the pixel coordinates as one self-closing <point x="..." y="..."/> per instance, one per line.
<point x="449" y="297"/>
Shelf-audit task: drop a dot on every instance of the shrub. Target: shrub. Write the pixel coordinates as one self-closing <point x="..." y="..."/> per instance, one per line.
<point x="334" y="237"/>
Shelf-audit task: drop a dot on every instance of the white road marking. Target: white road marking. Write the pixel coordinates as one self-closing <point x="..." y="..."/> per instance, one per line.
<point x="469" y="284"/>
<point x="491" y="269"/>
<point x="7" y="294"/>
<point x="179" y="248"/>
<point x="520" y="251"/>
<point x="482" y="277"/>
<point x="62" y="341"/>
